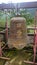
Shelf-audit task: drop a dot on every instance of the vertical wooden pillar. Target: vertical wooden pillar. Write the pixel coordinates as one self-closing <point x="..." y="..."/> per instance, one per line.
<point x="35" y="37"/>
<point x="6" y="32"/>
<point x="0" y="48"/>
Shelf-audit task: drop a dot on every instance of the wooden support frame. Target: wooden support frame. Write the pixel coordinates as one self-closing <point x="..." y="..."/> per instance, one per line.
<point x="5" y="58"/>
<point x="21" y="5"/>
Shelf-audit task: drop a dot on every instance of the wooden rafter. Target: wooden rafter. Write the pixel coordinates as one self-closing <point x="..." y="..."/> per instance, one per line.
<point x="20" y="5"/>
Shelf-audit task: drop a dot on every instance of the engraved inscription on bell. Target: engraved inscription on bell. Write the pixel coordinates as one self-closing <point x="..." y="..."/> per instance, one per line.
<point x="19" y="34"/>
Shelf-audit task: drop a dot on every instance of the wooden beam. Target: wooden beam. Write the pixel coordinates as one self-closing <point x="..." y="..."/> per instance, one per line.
<point x="20" y="5"/>
<point x="29" y="62"/>
<point x="27" y="5"/>
<point x="4" y="46"/>
<point x="5" y="58"/>
<point x="7" y="6"/>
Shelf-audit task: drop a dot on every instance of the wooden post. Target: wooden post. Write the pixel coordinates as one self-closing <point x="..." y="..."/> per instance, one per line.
<point x="35" y="37"/>
<point x="0" y="48"/>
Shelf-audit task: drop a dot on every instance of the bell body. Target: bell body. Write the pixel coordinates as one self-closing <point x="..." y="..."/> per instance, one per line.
<point x="18" y="33"/>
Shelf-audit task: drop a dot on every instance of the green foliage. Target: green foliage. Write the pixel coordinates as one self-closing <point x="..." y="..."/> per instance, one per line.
<point x="24" y="13"/>
<point x="12" y="13"/>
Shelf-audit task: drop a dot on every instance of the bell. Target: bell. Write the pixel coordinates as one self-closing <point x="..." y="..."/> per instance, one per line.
<point x="18" y="33"/>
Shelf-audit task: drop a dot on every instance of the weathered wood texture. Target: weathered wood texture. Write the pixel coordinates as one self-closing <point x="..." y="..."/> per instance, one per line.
<point x="29" y="62"/>
<point x="4" y="58"/>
